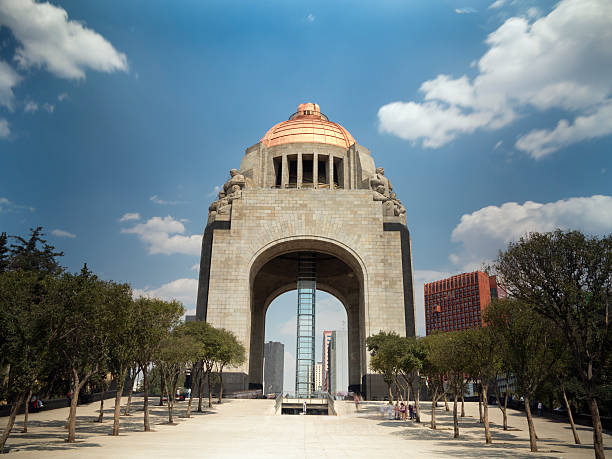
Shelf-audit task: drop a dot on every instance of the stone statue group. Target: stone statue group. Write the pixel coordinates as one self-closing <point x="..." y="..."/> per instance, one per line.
<point x="380" y="185"/>
<point x="383" y="191"/>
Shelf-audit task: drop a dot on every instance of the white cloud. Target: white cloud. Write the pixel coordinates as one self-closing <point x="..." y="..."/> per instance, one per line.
<point x="8" y="79"/>
<point x="48" y="39"/>
<point x="465" y="10"/>
<point x="130" y="216"/>
<point x="62" y="233"/>
<point x="560" y="61"/>
<point x="183" y="290"/>
<point x="163" y="202"/>
<point x="165" y="235"/>
<point x="48" y="107"/>
<point x="7" y="205"/>
<point x="311" y="17"/>
<point x="61" y="97"/>
<point x="196" y="267"/>
<point x="30" y="107"/>
<point x="4" y="128"/>
<point x="483" y="233"/>
<point x="542" y="142"/>
<point x="497" y="4"/>
<point x="498" y="144"/>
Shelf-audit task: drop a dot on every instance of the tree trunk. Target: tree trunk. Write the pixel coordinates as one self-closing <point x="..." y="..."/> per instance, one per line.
<point x="434" y="404"/>
<point x="161" y="388"/>
<point x="485" y="404"/>
<point x="390" y="393"/>
<point x="570" y="417"/>
<point x="27" y="411"/>
<point x="170" y="417"/>
<point x="101" y="415"/>
<point x="220" y="385"/>
<point x="191" y="393"/>
<point x="120" y="384"/>
<point x="446" y="408"/>
<point x="462" y="405"/>
<point x="597" y="430"/>
<point x="76" y="388"/>
<point x="480" y="419"/>
<point x="532" y="433"/>
<point x="417" y="404"/>
<point x="145" y="384"/>
<point x="505" y="410"/>
<point x="455" y="420"/>
<point x="129" y="402"/>
<point x="11" y="421"/>
<point x="209" y="391"/>
<point x="200" y="390"/>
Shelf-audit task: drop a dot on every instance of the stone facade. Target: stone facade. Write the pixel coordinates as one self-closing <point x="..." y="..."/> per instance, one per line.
<point x="269" y="210"/>
<point x="274" y="367"/>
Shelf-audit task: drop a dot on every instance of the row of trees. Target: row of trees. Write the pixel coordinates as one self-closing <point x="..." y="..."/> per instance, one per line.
<point x="553" y="333"/>
<point x="59" y="328"/>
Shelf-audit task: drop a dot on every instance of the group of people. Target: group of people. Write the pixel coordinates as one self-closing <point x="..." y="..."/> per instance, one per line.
<point x="400" y="411"/>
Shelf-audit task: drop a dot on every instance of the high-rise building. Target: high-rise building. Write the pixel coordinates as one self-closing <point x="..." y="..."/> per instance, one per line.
<point x="338" y="362"/>
<point x="318" y="376"/>
<point x="274" y="363"/>
<point x="458" y="302"/>
<point x="327" y="336"/>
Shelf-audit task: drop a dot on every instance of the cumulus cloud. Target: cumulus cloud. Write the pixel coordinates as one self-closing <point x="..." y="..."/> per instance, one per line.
<point x="465" y="10"/>
<point x="483" y="233"/>
<point x="497" y="4"/>
<point x="166" y="235"/>
<point x="48" y="107"/>
<point x="183" y="290"/>
<point x="559" y="61"/>
<point x="130" y="216"/>
<point x="61" y="97"/>
<point x="542" y="142"/>
<point x="157" y="200"/>
<point x="48" y="39"/>
<point x="7" y="205"/>
<point x="8" y="79"/>
<point x="30" y="107"/>
<point x="310" y="17"/>
<point x="62" y="233"/>
<point x="4" y="128"/>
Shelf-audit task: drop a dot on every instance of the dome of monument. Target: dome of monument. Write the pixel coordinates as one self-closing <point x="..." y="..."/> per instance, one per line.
<point x="308" y="125"/>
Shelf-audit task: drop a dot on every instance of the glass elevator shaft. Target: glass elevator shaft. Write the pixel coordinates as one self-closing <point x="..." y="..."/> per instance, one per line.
<point x="305" y="348"/>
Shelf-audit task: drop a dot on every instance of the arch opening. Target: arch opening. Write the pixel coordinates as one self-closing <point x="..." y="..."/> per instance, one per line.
<point x="339" y="273"/>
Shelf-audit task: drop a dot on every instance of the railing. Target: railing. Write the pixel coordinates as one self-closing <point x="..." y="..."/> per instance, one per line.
<point x="278" y="403"/>
<point x="331" y="404"/>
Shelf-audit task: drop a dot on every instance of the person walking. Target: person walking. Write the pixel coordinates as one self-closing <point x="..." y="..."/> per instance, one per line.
<point x="403" y="411"/>
<point x="397" y="411"/>
<point x="411" y="411"/>
<point x="390" y="410"/>
<point x="539" y="408"/>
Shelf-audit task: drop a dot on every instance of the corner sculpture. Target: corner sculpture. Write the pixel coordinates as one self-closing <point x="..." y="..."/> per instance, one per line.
<point x="307" y="186"/>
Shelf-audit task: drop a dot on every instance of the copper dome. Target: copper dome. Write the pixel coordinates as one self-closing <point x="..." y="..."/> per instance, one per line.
<point x="308" y="125"/>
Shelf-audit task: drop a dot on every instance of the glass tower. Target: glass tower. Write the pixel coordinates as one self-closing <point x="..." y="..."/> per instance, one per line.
<point x="305" y="349"/>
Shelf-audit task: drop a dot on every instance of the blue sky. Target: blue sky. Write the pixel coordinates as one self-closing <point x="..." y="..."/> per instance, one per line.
<point x="118" y="119"/>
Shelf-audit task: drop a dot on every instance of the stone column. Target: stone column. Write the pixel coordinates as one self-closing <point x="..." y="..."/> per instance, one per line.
<point x="315" y="170"/>
<point x="330" y="172"/>
<point x="284" y="172"/>
<point x="300" y="171"/>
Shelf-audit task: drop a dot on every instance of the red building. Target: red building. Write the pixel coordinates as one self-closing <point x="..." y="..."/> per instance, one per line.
<point x="458" y="302"/>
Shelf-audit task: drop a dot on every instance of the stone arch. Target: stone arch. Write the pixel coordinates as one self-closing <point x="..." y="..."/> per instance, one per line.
<point x="340" y="272"/>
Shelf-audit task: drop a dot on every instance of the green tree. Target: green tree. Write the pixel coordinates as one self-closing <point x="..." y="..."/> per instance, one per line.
<point x="484" y="363"/>
<point x="4" y="253"/>
<point x="207" y="348"/>
<point x="567" y="277"/>
<point x="176" y="353"/>
<point x="456" y="362"/>
<point x="230" y="352"/>
<point x="26" y="255"/>
<point x="530" y="346"/>
<point x="155" y="319"/>
<point x="26" y="334"/>
<point x="434" y="369"/>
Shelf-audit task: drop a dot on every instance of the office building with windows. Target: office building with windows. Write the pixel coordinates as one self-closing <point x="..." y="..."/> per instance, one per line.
<point x="458" y="302"/>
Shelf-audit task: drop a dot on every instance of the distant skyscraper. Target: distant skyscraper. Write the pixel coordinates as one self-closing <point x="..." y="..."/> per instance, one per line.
<point x="458" y="302"/>
<point x="318" y="376"/>
<point x="338" y="362"/>
<point x="274" y="362"/>
<point x="327" y="336"/>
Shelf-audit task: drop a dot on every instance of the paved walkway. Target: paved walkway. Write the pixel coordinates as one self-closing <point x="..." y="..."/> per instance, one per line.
<point x="249" y="429"/>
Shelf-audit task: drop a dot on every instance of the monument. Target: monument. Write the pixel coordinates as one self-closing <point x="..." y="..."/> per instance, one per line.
<point x="307" y="187"/>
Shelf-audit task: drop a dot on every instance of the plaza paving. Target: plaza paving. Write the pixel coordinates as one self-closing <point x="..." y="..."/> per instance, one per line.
<point x="249" y="428"/>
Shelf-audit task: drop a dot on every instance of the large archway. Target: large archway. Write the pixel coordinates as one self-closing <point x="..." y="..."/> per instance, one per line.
<point x="339" y="272"/>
